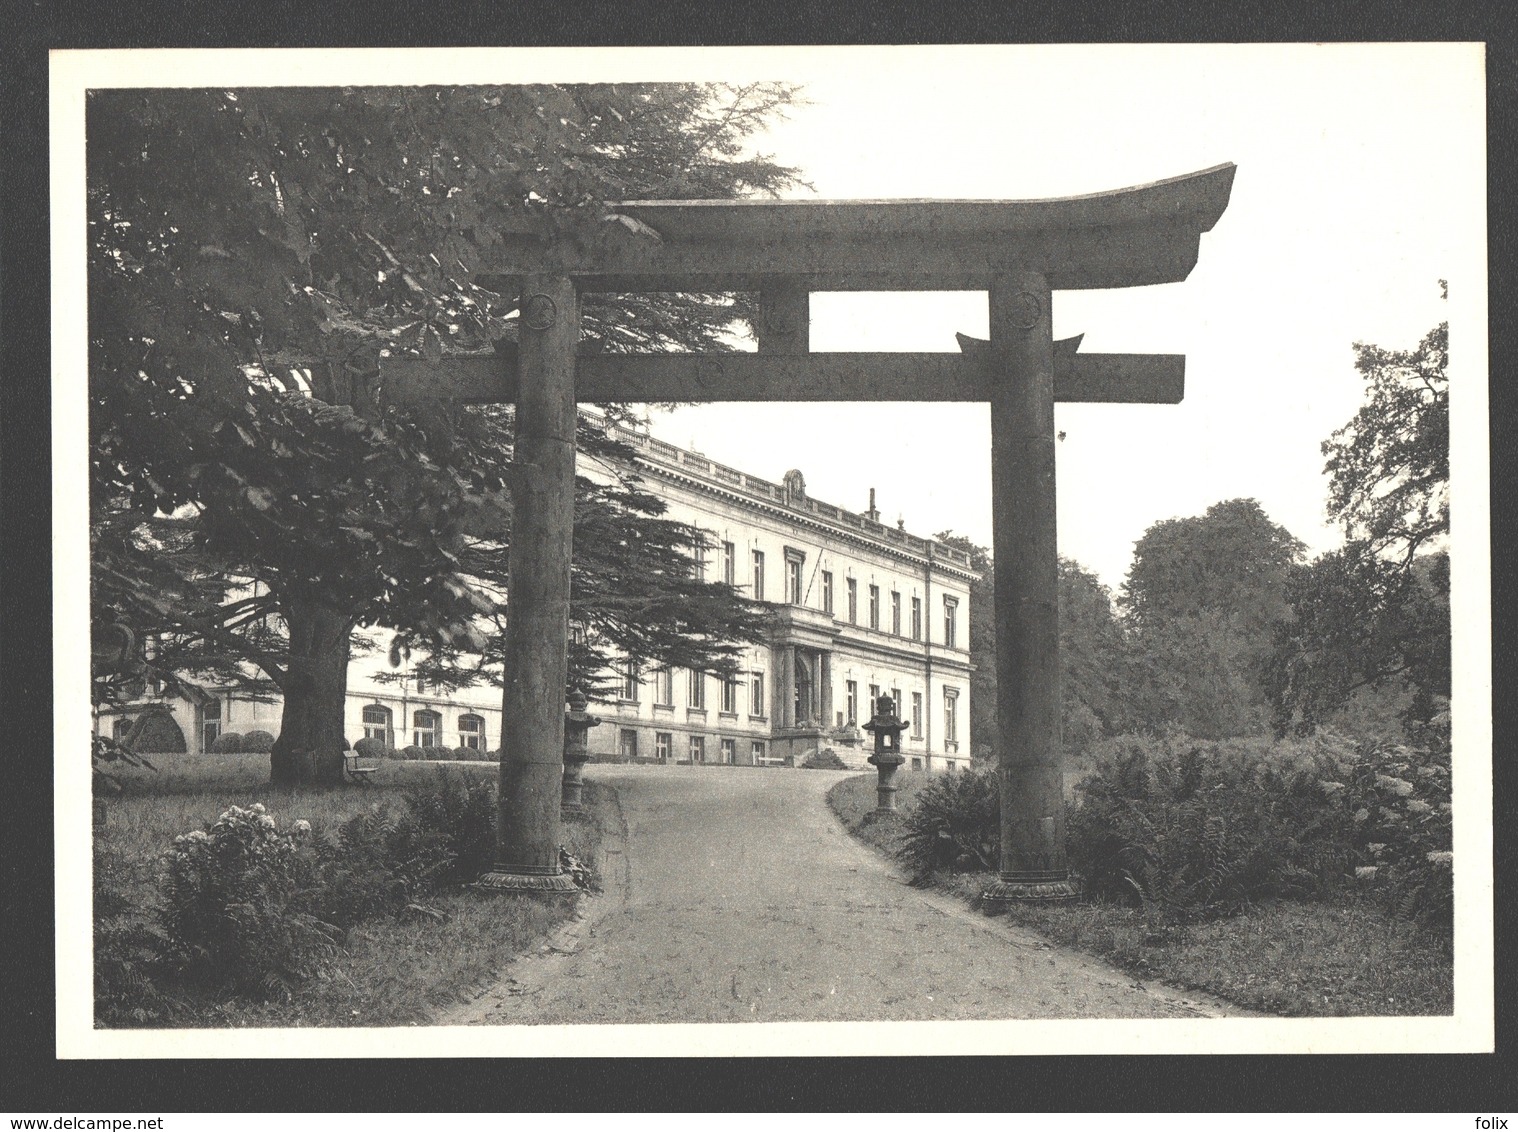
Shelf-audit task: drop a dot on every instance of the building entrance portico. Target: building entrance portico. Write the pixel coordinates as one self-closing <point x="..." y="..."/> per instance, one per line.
<point x="802" y="646"/>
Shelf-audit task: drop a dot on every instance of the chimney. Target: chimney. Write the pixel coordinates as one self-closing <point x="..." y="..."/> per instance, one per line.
<point x="872" y="514"/>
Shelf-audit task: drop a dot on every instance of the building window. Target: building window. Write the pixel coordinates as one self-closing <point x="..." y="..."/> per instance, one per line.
<point x="210" y="724"/>
<point x="376" y="720"/>
<point x="426" y="728"/>
<point x="851" y="699"/>
<point x="697" y="749"/>
<point x="121" y="727"/>
<point x="950" y="621"/>
<point x="895" y="613"/>
<point x="663" y="744"/>
<point x="951" y="719"/>
<point x="874" y="696"/>
<point x="472" y="731"/>
<point x="729" y="697"/>
<point x="697" y="689"/>
<point x="756" y="695"/>
<point x="664" y="687"/>
<point x="827" y="592"/>
<point x="729" y="751"/>
<point x="758" y="575"/>
<point x="756" y="752"/>
<point x="916" y="763"/>
<point x="792" y="579"/>
<point x="630" y="681"/>
<point x="896" y="701"/>
<point x="874" y="607"/>
<point x="729" y="563"/>
<point x="853" y="588"/>
<point x="917" y="618"/>
<point x="627" y="744"/>
<point x="917" y="715"/>
<point x="698" y="563"/>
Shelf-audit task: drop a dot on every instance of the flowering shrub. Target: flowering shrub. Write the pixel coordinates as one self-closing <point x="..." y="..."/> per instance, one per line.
<point x="233" y="902"/>
<point x="1398" y="799"/>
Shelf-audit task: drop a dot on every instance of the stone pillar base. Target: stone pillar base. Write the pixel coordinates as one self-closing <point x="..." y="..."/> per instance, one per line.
<point x="502" y="878"/>
<point x="1018" y="889"/>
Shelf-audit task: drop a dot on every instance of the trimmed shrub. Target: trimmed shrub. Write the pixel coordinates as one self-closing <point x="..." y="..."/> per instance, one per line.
<point x="227" y="743"/>
<point x="466" y="753"/>
<point x="825" y="759"/>
<point x="955" y="823"/>
<point x="156" y="733"/>
<point x="373" y="749"/>
<point x="413" y="753"/>
<point x="257" y="743"/>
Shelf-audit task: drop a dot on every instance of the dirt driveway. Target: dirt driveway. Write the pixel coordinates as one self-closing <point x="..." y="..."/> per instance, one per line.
<point x="734" y="895"/>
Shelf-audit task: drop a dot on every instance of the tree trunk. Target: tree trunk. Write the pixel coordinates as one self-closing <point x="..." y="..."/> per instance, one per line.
<point x="310" y="744"/>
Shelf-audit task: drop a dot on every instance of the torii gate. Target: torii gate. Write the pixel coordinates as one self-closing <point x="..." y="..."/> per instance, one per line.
<point x="1016" y="251"/>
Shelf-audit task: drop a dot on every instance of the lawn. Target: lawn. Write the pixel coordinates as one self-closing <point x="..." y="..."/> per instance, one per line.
<point x="392" y="971"/>
<point x="1343" y="957"/>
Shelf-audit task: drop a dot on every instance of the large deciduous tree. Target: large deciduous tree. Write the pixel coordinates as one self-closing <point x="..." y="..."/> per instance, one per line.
<point x="1376" y="612"/>
<point x="1201" y="604"/>
<point x="254" y="254"/>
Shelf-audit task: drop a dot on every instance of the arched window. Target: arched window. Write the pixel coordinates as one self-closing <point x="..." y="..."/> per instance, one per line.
<point x="427" y="728"/>
<point x="472" y="731"/>
<point x="377" y="724"/>
<point x="210" y="724"/>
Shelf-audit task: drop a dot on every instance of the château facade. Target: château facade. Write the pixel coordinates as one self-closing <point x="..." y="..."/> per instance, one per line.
<point x="859" y="610"/>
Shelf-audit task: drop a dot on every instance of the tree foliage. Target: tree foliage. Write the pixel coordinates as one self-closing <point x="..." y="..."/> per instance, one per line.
<point x="1388" y="468"/>
<point x="1375" y="614"/>
<point x="1201" y="604"/>
<point x="255" y="254"/>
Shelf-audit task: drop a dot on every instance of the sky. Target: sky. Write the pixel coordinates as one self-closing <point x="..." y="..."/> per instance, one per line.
<point x="1359" y="186"/>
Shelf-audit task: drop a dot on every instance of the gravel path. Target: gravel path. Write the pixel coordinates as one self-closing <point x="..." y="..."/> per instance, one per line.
<point x="734" y="895"/>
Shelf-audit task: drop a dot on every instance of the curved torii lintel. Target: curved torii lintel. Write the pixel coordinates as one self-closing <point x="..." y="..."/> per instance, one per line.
<point x="1126" y="237"/>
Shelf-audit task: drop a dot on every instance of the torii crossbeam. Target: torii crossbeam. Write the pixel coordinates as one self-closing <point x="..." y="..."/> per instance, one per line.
<point x="1016" y="251"/>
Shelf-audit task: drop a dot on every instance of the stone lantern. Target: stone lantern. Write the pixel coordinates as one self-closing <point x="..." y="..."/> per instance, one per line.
<point x="577" y="725"/>
<point x="887" y="729"/>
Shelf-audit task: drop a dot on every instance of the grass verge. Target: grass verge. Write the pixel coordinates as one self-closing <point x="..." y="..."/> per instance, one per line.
<point x="1332" y="958"/>
<point x="393" y="971"/>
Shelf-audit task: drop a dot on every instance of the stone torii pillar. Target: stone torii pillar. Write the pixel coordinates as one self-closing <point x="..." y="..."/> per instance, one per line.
<point x="1018" y="252"/>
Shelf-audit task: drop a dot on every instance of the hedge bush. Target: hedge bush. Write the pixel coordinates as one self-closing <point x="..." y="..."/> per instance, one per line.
<point x="156" y="733"/>
<point x="825" y="759"/>
<point x="257" y="743"/>
<point x="413" y="753"/>
<point x="373" y="749"/>
<point x="227" y="743"/>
